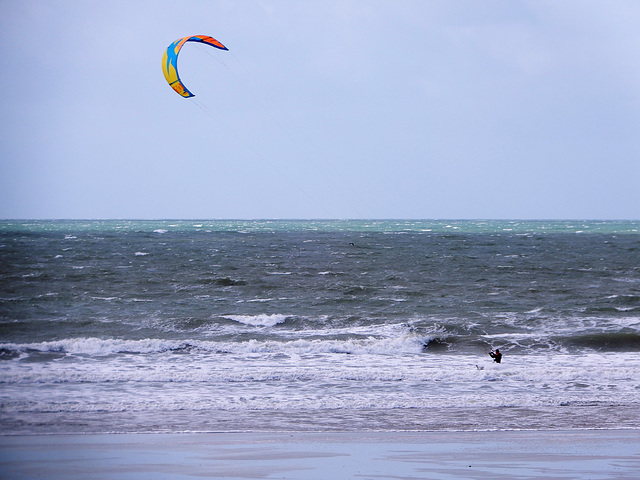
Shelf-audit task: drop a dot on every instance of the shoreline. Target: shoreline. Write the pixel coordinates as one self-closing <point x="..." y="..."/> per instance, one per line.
<point x="596" y="454"/>
<point x="326" y="432"/>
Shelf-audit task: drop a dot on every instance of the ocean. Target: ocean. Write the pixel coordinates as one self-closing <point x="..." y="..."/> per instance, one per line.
<point x="271" y="325"/>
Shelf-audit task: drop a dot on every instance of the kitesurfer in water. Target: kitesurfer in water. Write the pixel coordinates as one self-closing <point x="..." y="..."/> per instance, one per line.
<point x="497" y="356"/>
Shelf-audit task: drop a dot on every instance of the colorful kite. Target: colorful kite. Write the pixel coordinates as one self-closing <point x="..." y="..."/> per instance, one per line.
<point x="170" y="61"/>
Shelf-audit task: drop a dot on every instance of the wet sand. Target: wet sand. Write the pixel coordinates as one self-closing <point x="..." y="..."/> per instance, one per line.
<point x="594" y="454"/>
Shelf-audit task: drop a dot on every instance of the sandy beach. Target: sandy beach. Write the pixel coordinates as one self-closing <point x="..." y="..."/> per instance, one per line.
<point x="594" y="454"/>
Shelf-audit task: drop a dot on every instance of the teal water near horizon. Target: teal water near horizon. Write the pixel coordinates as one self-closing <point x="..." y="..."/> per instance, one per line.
<point x="362" y="225"/>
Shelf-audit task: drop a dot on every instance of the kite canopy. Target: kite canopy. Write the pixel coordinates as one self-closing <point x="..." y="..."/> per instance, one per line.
<point x="170" y="61"/>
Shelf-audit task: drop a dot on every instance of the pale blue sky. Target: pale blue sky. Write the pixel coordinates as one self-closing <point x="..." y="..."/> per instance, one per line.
<point x="322" y="109"/>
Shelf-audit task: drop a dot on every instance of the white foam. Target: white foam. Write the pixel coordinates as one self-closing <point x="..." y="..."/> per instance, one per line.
<point x="96" y="346"/>
<point x="303" y="375"/>
<point x="355" y="343"/>
<point x="263" y="320"/>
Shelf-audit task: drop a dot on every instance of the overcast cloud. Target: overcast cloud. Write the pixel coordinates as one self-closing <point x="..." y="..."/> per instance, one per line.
<point x="332" y="109"/>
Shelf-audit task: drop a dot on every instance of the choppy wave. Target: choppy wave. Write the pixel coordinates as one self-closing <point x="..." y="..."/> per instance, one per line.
<point x="603" y="341"/>
<point x="263" y="320"/>
<point x="102" y="347"/>
<point x="339" y="342"/>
